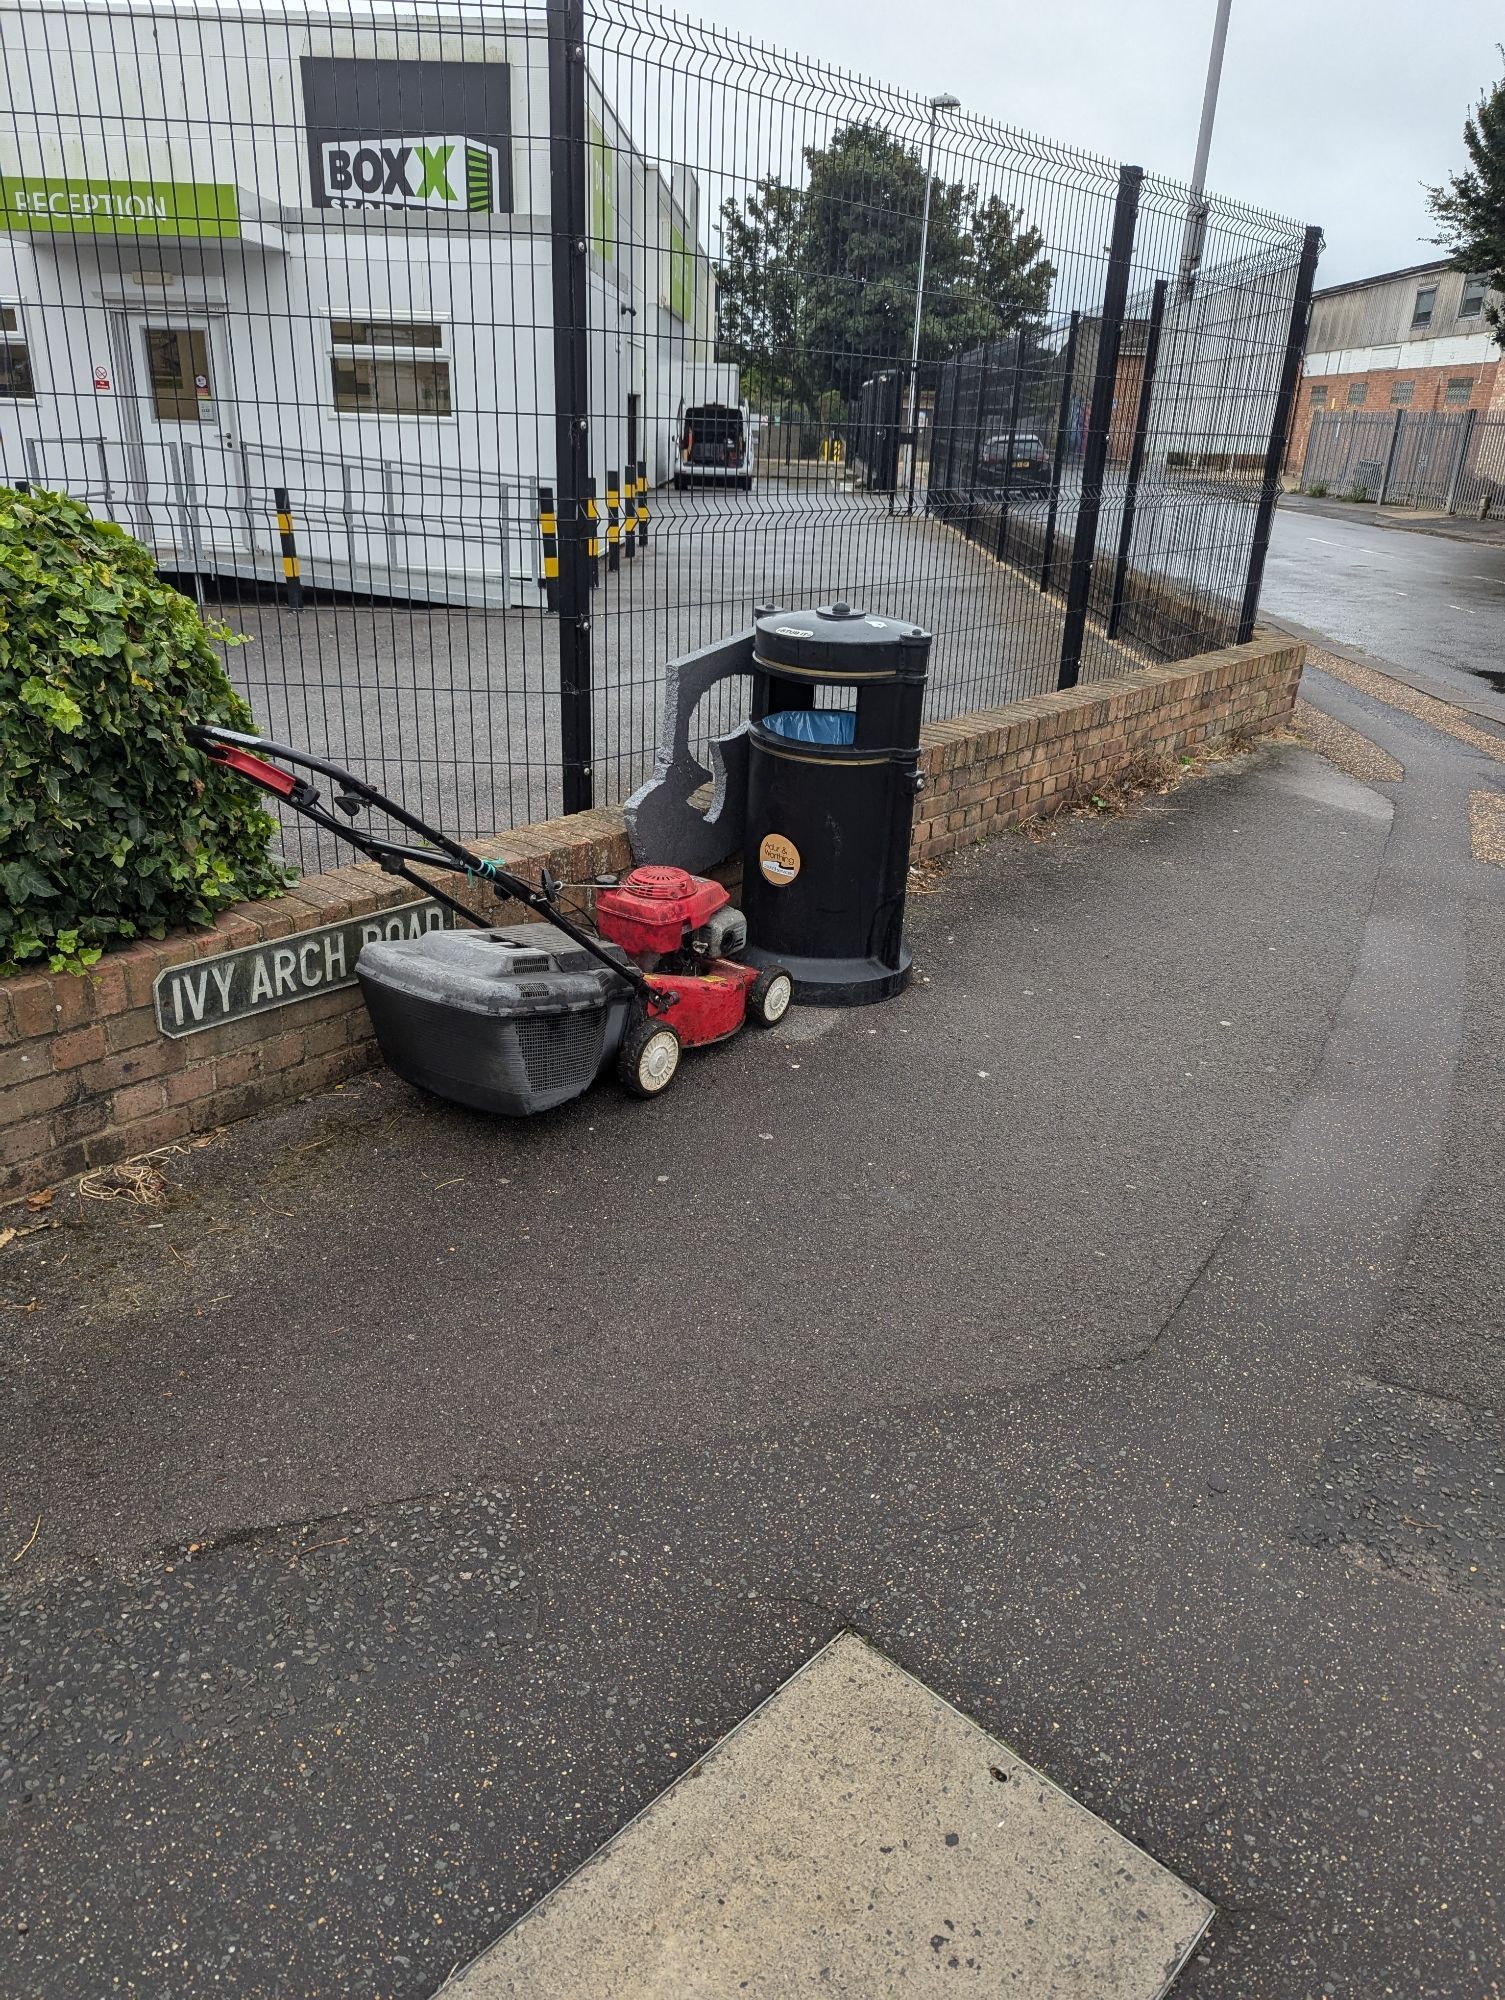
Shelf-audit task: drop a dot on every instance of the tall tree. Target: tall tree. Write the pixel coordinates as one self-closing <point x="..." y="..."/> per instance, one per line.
<point x="817" y="285"/>
<point x="758" y="290"/>
<point x="1471" y="205"/>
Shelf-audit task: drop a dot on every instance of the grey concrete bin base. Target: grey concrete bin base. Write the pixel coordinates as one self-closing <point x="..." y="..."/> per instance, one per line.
<point x="855" y="1836"/>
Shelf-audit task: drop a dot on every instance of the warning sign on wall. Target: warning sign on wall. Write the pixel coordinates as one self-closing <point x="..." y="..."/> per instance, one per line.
<point x="101" y="377"/>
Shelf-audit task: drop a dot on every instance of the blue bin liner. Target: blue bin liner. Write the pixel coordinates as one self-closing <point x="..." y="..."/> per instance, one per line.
<point x="814" y="725"/>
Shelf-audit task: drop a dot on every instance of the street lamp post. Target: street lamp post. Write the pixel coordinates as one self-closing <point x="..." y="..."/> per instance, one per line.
<point x="935" y="105"/>
<point x="1195" y="233"/>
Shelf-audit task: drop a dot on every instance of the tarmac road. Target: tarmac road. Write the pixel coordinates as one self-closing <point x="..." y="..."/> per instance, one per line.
<point x="1110" y="1328"/>
<point x="1399" y="594"/>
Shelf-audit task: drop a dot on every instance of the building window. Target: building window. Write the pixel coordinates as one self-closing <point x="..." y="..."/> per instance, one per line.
<point x="15" y="362"/>
<point x="1459" y="391"/>
<point x="1319" y="396"/>
<point x="389" y="368"/>
<point x="1472" y="303"/>
<point x="1401" y="394"/>
<point x="384" y="333"/>
<point x="177" y="366"/>
<point x="1426" y="299"/>
<point x="1358" y="392"/>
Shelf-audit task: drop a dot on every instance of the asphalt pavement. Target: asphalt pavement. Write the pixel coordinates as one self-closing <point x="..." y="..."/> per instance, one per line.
<point x="1109" y="1328"/>
<point x="1432" y="603"/>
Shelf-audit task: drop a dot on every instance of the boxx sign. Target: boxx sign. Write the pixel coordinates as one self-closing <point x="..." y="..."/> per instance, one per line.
<point x="412" y="173"/>
<point x="427" y="135"/>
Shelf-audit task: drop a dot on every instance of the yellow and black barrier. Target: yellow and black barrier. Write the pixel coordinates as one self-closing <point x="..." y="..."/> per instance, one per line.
<point x="292" y="582"/>
<point x="613" y="521"/>
<point x="640" y="510"/>
<point x="548" y="529"/>
<point x="592" y="535"/>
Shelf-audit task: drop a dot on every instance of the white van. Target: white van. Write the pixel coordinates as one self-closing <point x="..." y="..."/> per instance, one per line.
<point x="715" y="446"/>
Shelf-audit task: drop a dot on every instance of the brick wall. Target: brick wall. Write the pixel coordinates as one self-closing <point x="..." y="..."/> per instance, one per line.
<point x="1428" y="393"/>
<point x="87" y="1077"/>
<point x="990" y="770"/>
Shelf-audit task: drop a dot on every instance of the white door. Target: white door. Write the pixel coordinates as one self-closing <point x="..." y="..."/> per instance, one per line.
<point x="191" y="503"/>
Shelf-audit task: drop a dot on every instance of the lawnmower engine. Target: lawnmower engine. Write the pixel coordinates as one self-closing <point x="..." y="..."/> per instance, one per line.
<point x="669" y="920"/>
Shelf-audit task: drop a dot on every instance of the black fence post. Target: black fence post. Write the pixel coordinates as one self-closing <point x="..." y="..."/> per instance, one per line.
<point x="984" y="365"/>
<point x="567" y="200"/>
<point x="1000" y="550"/>
<point x="1099" y="421"/>
<point x="943" y="406"/>
<point x="1136" y="455"/>
<point x="1063" y="433"/>
<point x="1301" y="306"/>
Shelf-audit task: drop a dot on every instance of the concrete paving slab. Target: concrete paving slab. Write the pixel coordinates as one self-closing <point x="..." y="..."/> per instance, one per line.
<point x="855" y="1835"/>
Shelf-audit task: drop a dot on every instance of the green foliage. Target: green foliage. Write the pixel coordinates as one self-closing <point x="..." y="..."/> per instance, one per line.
<point x="1471" y="205"/>
<point x="111" y="827"/>
<point x="816" y="289"/>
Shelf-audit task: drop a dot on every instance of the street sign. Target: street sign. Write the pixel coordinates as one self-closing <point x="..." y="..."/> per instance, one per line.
<point x="210" y="992"/>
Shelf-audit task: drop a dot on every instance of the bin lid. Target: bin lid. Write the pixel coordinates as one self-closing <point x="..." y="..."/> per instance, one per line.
<point x="837" y="639"/>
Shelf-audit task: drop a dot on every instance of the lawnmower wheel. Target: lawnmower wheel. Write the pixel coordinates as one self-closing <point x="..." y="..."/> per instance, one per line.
<point x="649" y="1059"/>
<point x="769" y="996"/>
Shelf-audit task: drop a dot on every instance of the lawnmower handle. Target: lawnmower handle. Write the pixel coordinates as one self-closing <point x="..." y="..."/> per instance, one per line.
<point x="245" y="754"/>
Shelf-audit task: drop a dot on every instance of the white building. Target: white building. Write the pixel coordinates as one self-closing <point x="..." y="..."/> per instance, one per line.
<point x="309" y="247"/>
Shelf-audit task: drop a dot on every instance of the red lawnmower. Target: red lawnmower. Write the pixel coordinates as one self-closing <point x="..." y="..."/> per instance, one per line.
<point x="520" y="1018"/>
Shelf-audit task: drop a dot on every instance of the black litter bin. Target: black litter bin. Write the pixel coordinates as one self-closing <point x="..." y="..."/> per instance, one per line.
<point x="833" y="768"/>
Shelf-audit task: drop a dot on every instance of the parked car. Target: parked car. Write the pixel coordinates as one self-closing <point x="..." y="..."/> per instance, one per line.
<point x="715" y="446"/>
<point x="1017" y="460"/>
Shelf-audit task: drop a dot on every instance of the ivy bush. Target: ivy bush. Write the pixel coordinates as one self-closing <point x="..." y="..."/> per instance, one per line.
<point x="111" y="826"/>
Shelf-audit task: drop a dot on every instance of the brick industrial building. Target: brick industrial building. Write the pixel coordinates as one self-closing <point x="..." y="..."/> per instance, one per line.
<point x="1414" y="340"/>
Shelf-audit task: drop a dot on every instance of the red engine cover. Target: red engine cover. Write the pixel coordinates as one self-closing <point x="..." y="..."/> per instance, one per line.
<point x="654" y="909"/>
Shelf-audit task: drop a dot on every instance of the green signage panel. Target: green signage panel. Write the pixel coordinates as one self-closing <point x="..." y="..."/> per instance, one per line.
<point x="681" y="276"/>
<point x="118" y="208"/>
<point x="603" y="195"/>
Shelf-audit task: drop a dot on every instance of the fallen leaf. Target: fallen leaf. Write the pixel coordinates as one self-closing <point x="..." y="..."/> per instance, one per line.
<point x="40" y="1199"/>
<point x="13" y="1234"/>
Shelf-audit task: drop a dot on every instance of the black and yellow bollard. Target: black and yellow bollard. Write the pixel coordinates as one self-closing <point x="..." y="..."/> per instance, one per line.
<point x="292" y="582"/>
<point x="548" y="528"/>
<point x="613" y="521"/>
<point x="641" y="507"/>
<point x="592" y="534"/>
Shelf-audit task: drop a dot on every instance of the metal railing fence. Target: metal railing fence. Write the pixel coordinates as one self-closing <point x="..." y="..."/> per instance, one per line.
<point x="1445" y="461"/>
<point x="564" y="332"/>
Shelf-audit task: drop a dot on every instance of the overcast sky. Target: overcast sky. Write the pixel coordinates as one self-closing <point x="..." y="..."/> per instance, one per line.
<point x="1332" y="111"/>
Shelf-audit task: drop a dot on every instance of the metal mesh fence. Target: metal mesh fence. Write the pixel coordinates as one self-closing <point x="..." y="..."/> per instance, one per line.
<point x="545" y="341"/>
<point x="1447" y="461"/>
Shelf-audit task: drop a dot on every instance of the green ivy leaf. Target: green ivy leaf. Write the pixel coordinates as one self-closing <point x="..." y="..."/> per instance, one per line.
<point x="111" y="826"/>
<point x="60" y="709"/>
